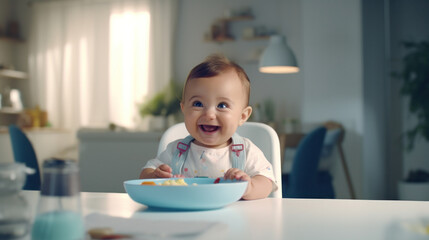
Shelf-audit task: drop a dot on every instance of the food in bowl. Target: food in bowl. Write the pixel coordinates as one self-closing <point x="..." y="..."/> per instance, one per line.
<point x="172" y="182"/>
<point x="148" y="183"/>
<point x="169" y="182"/>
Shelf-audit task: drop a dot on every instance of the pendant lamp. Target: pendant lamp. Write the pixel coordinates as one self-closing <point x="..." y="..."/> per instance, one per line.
<point x="278" y="57"/>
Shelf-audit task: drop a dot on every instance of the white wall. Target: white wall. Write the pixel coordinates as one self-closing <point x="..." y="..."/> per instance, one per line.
<point x="332" y="75"/>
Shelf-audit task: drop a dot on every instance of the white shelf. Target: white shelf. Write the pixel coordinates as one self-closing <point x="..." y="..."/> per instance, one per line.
<point x="8" y="73"/>
<point x="9" y="110"/>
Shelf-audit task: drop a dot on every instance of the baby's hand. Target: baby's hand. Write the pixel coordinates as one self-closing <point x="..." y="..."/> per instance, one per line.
<point x="163" y="171"/>
<point x="235" y="173"/>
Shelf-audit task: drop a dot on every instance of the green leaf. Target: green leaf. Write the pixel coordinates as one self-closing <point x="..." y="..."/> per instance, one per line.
<point x="415" y="86"/>
<point x="164" y="103"/>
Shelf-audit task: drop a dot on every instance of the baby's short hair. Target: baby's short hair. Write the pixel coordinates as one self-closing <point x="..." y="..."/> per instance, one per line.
<point x="214" y="65"/>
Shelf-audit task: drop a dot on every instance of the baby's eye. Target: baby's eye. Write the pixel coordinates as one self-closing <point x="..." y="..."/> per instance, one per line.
<point x="222" y="105"/>
<point x="197" y="104"/>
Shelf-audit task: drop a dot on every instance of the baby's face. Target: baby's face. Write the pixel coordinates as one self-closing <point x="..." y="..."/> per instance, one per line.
<point x="214" y="107"/>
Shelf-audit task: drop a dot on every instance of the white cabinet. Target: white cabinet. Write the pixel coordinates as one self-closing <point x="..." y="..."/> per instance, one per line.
<point x="108" y="158"/>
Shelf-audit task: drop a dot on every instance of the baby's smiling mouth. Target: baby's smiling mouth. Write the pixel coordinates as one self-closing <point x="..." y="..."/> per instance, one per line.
<point x="209" y="128"/>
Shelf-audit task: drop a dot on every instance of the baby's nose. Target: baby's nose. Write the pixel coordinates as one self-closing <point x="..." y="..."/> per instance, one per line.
<point x="210" y="113"/>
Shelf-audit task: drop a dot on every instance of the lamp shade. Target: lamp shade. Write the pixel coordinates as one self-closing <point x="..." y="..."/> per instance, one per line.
<point x="278" y="57"/>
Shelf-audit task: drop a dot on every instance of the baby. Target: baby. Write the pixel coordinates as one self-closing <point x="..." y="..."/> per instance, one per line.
<point x="215" y="102"/>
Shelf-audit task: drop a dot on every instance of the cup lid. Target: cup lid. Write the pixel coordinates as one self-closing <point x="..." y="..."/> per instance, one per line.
<point x="60" y="177"/>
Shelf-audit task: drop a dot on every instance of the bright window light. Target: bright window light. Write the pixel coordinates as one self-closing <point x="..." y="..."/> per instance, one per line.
<point x="83" y="77"/>
<point x="128" y="64"/>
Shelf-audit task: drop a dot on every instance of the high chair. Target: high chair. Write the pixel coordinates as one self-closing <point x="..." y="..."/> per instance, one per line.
<point x="260" y="134"/>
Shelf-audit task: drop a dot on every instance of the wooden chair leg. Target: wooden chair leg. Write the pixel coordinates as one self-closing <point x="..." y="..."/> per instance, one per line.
<point x="346" y="171"/>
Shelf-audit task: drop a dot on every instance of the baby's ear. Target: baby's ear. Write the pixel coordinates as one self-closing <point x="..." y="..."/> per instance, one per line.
<point x="245" y="114"/>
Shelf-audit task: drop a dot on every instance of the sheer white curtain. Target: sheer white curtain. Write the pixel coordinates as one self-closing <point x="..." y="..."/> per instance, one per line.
<point x="92" y="61"/>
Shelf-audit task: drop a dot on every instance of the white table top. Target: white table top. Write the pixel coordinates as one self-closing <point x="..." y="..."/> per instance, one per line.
<point x="280" y="218"/>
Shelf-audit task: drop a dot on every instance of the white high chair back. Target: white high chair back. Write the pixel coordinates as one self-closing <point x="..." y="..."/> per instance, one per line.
<point x="260" y="134"/>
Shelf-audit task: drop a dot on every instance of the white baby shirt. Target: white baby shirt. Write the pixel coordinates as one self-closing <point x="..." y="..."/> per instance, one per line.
<point x="213" y="163"/>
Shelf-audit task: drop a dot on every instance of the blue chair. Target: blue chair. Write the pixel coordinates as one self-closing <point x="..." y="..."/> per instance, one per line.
<point x="23" y="152"/>
<point x="334" y="139"/>
<point x="304" y="180"/>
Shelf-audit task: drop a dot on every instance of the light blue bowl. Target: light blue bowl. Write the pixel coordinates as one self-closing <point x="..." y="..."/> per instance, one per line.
<point x="203" y="196"/>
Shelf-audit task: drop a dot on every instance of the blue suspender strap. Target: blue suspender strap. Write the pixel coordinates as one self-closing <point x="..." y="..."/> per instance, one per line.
<point x="237" y="152"/>
<point x="179" y="155"/>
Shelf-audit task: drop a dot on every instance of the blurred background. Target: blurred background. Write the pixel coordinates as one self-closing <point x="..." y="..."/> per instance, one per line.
<point x="76" y="74"/>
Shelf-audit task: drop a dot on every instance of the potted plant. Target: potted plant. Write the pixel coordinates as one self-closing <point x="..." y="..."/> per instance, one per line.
<point x="415" y="86"/>
<point x="161" y="111"/>
<point x="270" y="111"/>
